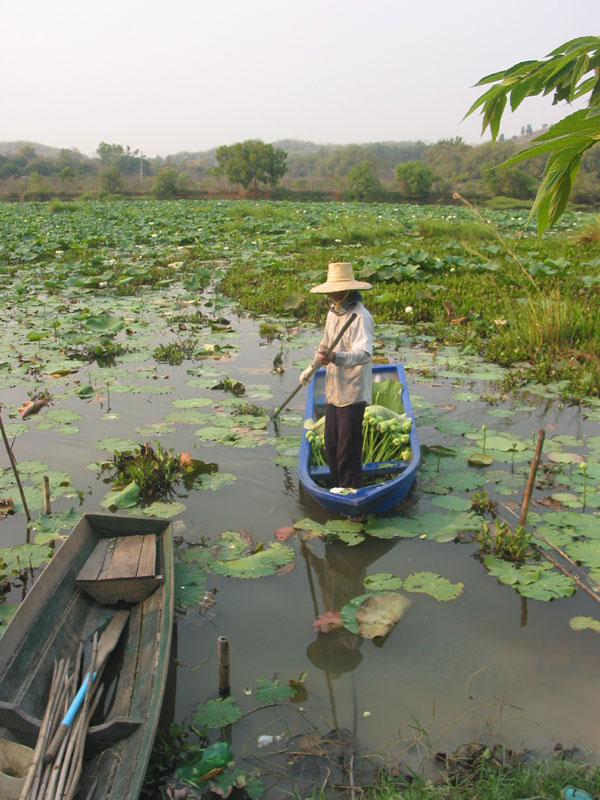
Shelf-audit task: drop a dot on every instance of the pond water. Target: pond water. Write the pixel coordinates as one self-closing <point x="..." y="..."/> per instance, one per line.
<point x="488" y="666"/>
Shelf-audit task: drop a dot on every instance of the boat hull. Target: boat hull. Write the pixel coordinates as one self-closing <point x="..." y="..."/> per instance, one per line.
<point x="374" y="499"/>
<point x="49" y="624"/>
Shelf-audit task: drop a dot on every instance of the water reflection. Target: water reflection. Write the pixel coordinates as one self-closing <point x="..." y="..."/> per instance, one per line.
<point x="340" y="575"/>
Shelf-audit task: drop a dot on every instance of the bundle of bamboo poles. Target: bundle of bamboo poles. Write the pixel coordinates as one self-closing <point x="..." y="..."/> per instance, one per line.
<point x="56" y="775"/>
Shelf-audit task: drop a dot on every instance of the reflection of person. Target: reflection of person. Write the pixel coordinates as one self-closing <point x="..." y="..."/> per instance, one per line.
<point x="340" y="575"/>
<point x="348" y="377"/>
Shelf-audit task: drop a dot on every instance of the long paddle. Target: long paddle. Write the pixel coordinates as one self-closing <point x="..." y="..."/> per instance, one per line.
<point x="108" y="642"/>
<point x="316" y="364"/>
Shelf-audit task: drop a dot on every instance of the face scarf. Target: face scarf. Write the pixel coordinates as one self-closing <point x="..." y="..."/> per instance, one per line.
<point x="341" y="306"/>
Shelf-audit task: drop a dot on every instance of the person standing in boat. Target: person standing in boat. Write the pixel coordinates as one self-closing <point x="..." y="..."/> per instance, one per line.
<point x="348" y="379"/>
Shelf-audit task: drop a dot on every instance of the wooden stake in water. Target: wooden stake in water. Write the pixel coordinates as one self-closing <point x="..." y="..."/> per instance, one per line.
<point x="13" y="463"/>
<point x="532" y="473"/>
<point x="46" y="493"/>
<point x="223" y="657"/>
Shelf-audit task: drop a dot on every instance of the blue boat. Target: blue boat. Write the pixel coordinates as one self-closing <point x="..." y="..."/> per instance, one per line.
<point x="374" y="497"/>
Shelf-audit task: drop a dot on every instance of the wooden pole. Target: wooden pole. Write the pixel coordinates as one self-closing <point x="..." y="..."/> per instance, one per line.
<point x="223" y="658"/>
<point x="532" y="472"/>
<point x="46" y="493"/>
<point x="13" y="463"/>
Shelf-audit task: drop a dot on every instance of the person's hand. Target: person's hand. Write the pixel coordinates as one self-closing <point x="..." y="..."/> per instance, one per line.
<point x="325" y="359"/>
<point x="306" y="375"/>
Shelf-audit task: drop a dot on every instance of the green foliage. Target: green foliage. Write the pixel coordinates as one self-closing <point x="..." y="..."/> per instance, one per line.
<point x="109" y="179"/>
<point x="108" y="153"/>
<point x="150" y="473"/>
<point x="166" y="184"/>
<point x="500" y="540"/>
<point x="362" y="182"/>
<point x="569" y="72"/>
<point x="217" y="713"/>
<point x="251" y="162"/>
<point x="434" y="585"/>
<point x="415" y="178"/>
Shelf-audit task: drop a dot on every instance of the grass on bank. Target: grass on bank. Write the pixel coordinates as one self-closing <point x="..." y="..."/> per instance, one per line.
<point x="534" y="781"/>
<point x="535" y="303"/>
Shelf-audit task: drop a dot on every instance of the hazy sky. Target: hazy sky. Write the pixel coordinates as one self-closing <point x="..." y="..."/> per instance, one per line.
<point x="194" y="74"/>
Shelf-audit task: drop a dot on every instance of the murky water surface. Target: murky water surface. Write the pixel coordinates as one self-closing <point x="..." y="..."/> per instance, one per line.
<point x="488" y="666"/>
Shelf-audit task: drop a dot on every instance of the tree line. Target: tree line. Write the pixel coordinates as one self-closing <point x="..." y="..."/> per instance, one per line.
<point x="411" y="171"/>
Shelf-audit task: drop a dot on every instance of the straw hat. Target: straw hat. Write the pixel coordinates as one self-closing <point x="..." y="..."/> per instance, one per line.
<point x="340" y="278"/>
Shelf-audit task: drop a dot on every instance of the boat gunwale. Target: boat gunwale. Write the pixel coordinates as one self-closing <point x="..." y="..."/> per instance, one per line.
<point x="375" y="498"/>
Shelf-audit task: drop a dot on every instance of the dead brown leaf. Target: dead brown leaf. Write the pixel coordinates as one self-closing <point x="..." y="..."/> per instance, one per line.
<point x="328" y="621"/>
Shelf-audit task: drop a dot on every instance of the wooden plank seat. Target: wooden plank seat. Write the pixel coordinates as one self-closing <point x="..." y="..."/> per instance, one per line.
<point x="122" y="568"/>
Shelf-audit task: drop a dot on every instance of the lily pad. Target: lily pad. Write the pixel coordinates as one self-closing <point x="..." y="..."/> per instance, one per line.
<point x="122" y="498"/>
<point x="581" y="624"/>
<point x="434" y="585"/>
<point x="265" y="562"/>
<point x="377" y="615"/>
<point x="217" y="713"/>
<point x="349" y="610"/>
<point x="480" y="460"/>
<point x="189" y="585"/>
<point x="382" y="582"/>
<point x="271" y="691"/>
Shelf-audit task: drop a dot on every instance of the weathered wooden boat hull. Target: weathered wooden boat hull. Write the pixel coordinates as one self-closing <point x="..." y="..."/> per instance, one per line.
<point x="374" y="499"/>
<point x="49" y="624"/>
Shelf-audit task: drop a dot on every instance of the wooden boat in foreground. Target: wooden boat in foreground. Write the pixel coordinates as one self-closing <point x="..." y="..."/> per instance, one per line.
<point x="373" y="498"/>
<point x="60" y="612"/>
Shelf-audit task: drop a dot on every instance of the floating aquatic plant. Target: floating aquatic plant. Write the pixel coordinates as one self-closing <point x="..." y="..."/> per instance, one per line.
<point x="154" y="470"/>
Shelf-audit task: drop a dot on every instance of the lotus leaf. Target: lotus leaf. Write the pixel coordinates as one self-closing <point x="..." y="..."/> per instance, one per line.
<point x="480" y="460"/>
<point x="452" y="502"/>
<point x="52" y="524"/>
<point x="122" y="498"/>
<point x="455" y="426"/>
<point x="550" y="586"/>
<point x="434" y="585"/>
<point x="189" y="582"/>
<point x="587" y="552"/>
<point x="105" y="323"/>
<point x="346" y="530"/>
<point x="192" y="402"/>
<point x="23" y="556"/>
<point x="118" y="445"/>
<point x="382" y="582"/>
<point x="160" y="508"/>
<point x="505" y="571"/>
<point x="558" y="457"/>
<point x="348" y="611"/>
<point x="215" y="480"/>
<point x="377" y="615"/>
<point x="271" y="691"/>
<point x="465" y="481"/>
<point x="7" y="611"/>
<point x="402" y="527"/>
<point x="567" y="499"/>
<point x="577" y="623"/>
<point x="265" y="562"/>
<point x="64" y="415"/>
<point x="217" y="713"/>
<point x="306" y="524"/>
<point x="388" y="393"/>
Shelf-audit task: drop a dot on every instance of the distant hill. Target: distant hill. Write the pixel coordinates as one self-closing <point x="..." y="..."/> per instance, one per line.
<point x="43" y="150"/>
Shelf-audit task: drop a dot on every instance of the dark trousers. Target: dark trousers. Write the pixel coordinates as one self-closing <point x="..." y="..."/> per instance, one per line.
<point x="343" y="444"/>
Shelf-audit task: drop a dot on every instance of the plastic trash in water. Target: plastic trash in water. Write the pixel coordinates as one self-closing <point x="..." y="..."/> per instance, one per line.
<point x="571" y="793"/>
<point x="266" y="741"/>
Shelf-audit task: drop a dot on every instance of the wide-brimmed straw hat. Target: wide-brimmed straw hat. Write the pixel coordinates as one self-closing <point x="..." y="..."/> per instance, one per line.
<point x="340" y="278"/>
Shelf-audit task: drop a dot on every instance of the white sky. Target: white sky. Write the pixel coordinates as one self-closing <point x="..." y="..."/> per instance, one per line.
<point x="194" y="74"/>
